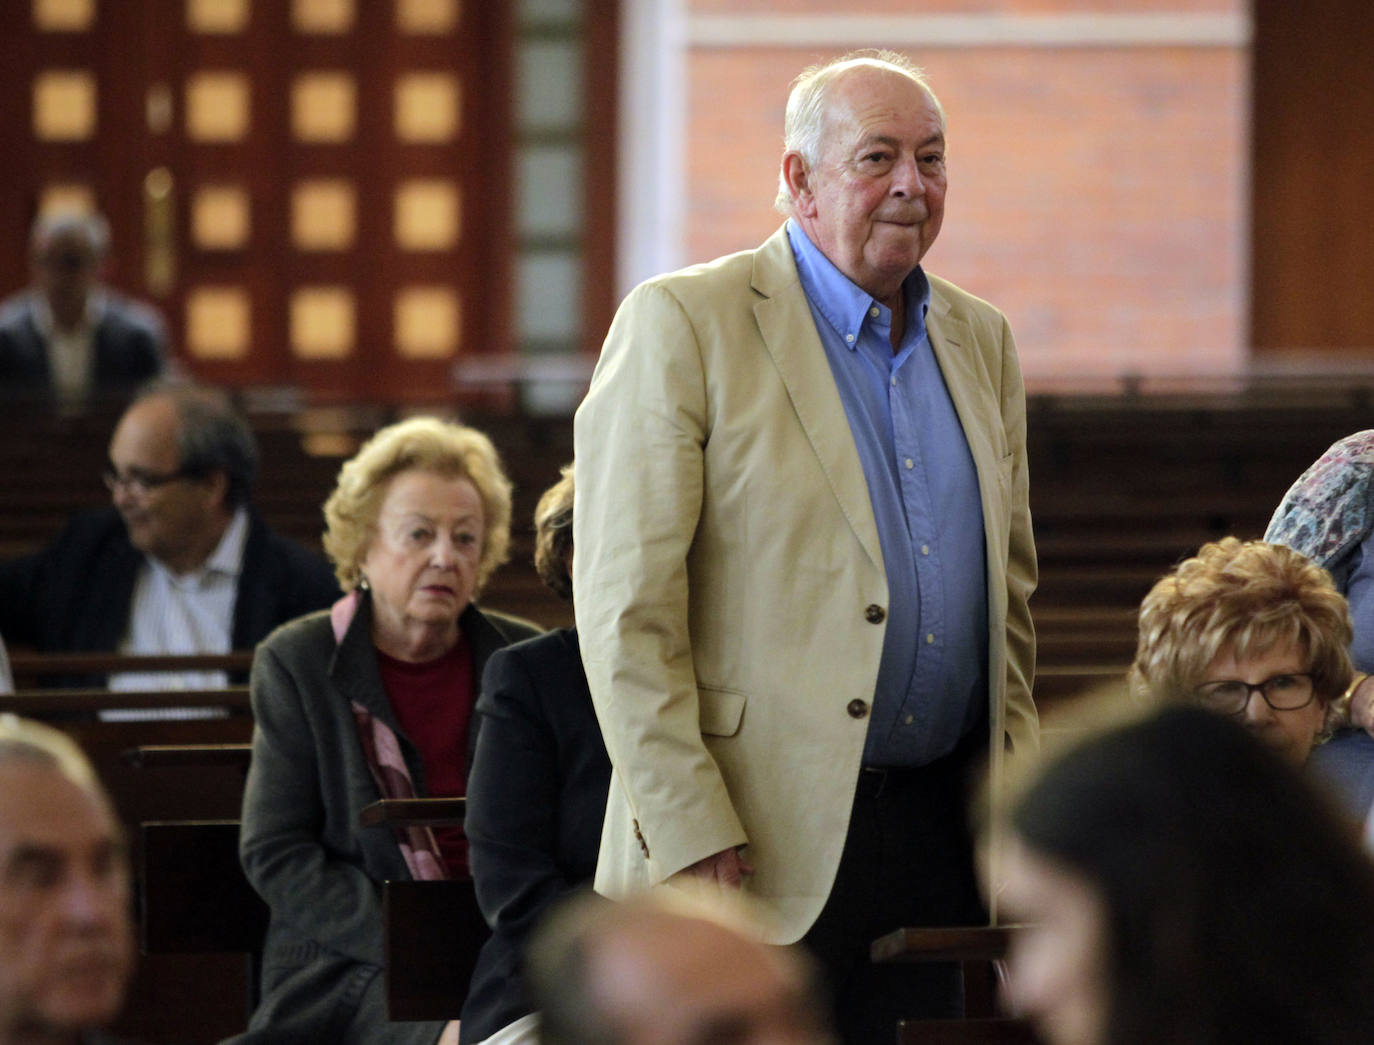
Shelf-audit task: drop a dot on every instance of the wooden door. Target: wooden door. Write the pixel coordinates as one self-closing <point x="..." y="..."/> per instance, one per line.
<point x="316" y="193"/>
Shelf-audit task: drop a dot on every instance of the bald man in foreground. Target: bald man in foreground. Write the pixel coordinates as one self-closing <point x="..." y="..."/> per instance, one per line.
<point x="66" y="940"/>
<point x="660" y="969"/>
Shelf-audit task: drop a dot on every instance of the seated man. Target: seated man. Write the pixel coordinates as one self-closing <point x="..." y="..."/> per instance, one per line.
<point x="67" y="338"/>
<point x="180" y="564"/>
<point x="660" y="969"/>
<point x="66" y="941"/>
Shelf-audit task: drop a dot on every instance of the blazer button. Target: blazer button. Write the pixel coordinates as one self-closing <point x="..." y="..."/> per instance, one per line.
<point x="857" y="708"/>
<point x="875" y="614"/>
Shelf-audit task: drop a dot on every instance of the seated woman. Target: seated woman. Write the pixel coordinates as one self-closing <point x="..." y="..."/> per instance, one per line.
<point x="537" y="791"/>
<point x="371" y="700"/>
<point x="1250" y="630"/>
<point x="1182" y="885"/>
<point x="1328" y="515"/>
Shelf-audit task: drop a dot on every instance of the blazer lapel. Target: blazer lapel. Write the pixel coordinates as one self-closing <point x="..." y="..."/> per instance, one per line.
<point x="789" y="334"/>
<point x="952" y="341"/>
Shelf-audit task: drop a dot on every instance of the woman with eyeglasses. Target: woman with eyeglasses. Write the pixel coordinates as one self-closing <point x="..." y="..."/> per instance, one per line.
<point x="1253" y="631"/>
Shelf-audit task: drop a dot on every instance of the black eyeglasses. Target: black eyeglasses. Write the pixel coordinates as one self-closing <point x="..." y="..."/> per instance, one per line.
<point x="1287" y="692"/>
<point x="139" y="482"/>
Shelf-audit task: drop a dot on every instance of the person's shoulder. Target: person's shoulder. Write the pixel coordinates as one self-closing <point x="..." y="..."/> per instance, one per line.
<point x="129" y="312"/>
<point x="709" y="278"/>
<point x="958" y="300"/>
<point x="308" y="632"/>
<point x="16" y="309"/>
<point x="511" y="628"/>
<point x="94" y="529"/>
<point x="293" y="556"/>
<point x="558" y="644"/>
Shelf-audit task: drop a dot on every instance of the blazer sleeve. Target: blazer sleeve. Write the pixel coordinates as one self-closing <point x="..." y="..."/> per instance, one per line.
<point x="1022" y="724"/>
<point x="639" y="437"/>
<point x="311" y="887"/>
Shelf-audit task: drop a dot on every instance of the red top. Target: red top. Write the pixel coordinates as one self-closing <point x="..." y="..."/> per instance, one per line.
<point x="433" y="703"/>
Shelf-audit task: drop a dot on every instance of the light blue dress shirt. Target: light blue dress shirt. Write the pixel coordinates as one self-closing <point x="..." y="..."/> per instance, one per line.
<point x="933" y="677"/>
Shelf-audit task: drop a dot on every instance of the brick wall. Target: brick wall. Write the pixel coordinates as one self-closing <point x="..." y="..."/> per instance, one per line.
<point x="1098" y="194"/>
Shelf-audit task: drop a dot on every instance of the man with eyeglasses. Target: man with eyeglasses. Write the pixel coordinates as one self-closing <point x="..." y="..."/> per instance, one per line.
<point x="1253" y="631"/>
<point x="68" y="339"/>
<point x="180" y="564"/>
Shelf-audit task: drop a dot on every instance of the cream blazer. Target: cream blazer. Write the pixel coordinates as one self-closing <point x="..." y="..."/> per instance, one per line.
<point x="726" y="565"/>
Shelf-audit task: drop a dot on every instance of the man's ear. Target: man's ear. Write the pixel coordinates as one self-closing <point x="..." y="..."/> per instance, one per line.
<point x="798" y="178"/>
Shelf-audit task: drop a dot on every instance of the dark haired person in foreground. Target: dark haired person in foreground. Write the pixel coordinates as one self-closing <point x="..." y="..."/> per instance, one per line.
<point x="1185" y="885"/>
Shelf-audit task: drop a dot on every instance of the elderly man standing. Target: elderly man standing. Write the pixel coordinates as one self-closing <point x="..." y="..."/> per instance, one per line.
<point x="804" y="554"/>
<point x="68" y="338"/>
<point x="66" y="942"/>
<point x="181" y="563"/>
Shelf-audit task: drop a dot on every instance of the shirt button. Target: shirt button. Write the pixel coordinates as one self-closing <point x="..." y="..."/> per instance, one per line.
<point x="875" y="614"/>
<point x="909" y="719"/>
<point x="857" y="708"/>
<point x="849" y="338"/>
<point x="873" y="311"/>
<point x="925" y="549"/>
<point x="930" y="638"/>
<point x="893" y="382"/>
<point x="909" y="463"/>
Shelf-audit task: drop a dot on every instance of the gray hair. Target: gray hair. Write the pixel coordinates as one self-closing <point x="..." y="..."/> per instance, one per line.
<point x="213" y="436"/>
<point x="804" y="123"/>
<point x="24" y="740"/>
<point x="93" y="228"/>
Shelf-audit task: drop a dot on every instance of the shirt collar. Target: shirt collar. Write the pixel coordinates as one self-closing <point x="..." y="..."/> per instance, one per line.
<point x="42" y="313"/>
<point x="844" y="304"/>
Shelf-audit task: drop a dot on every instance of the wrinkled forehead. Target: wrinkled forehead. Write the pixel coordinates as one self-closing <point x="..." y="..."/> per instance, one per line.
<point x="867" y="101"/>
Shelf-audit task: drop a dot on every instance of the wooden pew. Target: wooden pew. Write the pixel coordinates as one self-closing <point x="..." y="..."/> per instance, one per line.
<point x="434" y="930"/>
<point x="976" y="948"/>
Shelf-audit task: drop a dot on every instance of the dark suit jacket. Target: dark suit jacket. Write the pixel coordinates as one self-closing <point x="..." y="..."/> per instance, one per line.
<point x="75" y="594"/>
<point x="536" y="796"/>
<point x="130" y="344"/>
<point x="300" y="842"/>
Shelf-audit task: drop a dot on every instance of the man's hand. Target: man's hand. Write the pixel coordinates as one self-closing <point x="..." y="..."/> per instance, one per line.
<point x="726" y="868"/>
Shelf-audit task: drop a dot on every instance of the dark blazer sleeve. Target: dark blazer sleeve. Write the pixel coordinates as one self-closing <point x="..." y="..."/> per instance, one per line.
<point x="74" y="594"/>
<point x="536" y="796"/>
<point x="322" y="896"/>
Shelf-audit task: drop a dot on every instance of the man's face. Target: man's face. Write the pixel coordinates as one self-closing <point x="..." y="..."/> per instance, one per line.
<point x="168" y="515"/>
<point x="875" y="198"/>
<point x="66" y="943"/>
<point x="66" y="268"/>
<point x="685" y="981"/>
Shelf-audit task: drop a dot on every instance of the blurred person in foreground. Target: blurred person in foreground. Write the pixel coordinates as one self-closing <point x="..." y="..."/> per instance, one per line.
<point x="66" y="938"/>
<point x="663" y="969"/>
<point x="1253" y="631"/>
<point x="804" y="556"/>
<point x="536" y="794"/>
<point x="179" y="563"/>
<point x="68" y="339"/>
<point x="372" y="699"/>
<point x="1183" y="884"/>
